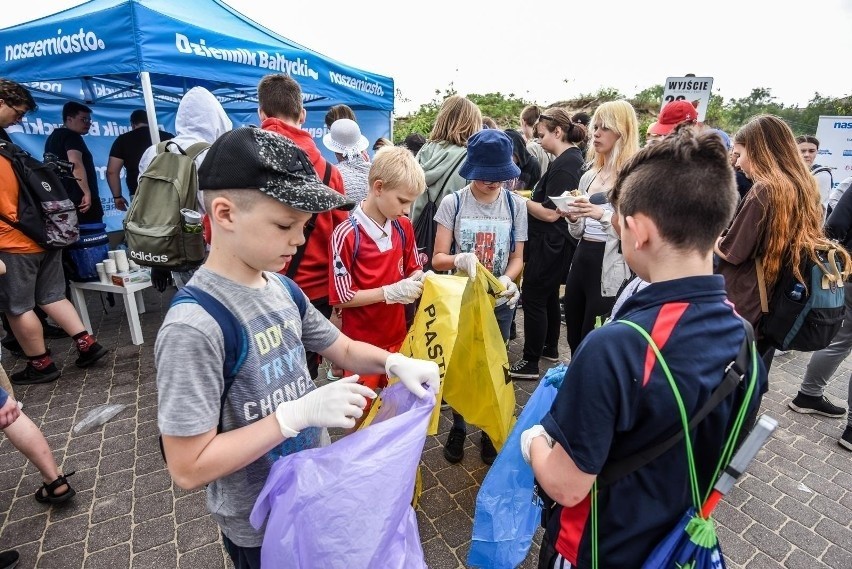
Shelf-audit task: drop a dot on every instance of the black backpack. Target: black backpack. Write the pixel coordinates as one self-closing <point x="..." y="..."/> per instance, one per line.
<point x="425" y="227"/>
<point x="45" y="212"/>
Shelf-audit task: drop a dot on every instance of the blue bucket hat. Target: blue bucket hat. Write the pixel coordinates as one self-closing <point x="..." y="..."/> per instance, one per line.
<point x="489" y="157"/>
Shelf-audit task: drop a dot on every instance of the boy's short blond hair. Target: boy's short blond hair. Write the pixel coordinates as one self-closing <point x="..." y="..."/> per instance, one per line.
<point x="397" y="167"/>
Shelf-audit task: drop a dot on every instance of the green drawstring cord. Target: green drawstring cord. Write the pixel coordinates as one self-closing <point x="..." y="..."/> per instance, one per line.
<point x="727" y="452"/>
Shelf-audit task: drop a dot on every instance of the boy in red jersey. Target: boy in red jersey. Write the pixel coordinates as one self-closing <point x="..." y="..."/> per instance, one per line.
<point x="375" y="269"/>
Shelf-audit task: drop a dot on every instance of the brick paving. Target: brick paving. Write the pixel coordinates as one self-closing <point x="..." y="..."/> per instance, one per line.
<point x="793" y="509"/>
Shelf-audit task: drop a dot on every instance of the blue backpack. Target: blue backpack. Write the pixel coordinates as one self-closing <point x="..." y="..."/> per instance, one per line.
<point x="235" y="336"/>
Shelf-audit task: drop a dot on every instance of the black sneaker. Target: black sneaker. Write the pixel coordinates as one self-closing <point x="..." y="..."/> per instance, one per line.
<point x="9" y="559"/>
<point x="90" y="356"/>
<point x="819" y="405"/>
<point x="13" y="347"/>
<point x="522" y="369"/>
<point x="454" y="449"/>
<point x="845" y="439"/>
<point x="52" y="332"/>
<point x="550" y="354"/>
<point x="488" y="453"/>
<point x="30" y="375"/>
<point x="444" y="405"/>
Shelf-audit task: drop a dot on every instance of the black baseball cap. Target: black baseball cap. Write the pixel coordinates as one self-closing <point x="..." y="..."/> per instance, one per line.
<point x="251" y="158"/>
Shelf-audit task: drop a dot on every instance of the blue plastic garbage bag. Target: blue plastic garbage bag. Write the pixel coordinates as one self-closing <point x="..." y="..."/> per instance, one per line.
<point x="692" y="544"/>
<point x="507" y="515"/>
<point x="349" y="504"/>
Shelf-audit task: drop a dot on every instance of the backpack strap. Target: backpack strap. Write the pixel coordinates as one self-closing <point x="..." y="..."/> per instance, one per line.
<point x="455" y="219"/>
<point x="512" y="217"/>
<point x="309" y="228"/>
<point x="196" y="149"/>
<point x="735" y="373"/>
<point x="234" y="335"/>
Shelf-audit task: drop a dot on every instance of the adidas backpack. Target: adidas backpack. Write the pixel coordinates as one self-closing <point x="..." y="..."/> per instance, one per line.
<point x="45" y="213"/>
<point x="153" y="227"/>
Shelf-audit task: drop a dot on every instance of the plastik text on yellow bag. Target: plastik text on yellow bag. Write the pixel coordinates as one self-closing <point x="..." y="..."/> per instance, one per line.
<point x="456" y="328"/>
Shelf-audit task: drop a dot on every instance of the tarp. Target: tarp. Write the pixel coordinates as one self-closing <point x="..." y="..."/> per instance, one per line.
<point x="94" y="53"/>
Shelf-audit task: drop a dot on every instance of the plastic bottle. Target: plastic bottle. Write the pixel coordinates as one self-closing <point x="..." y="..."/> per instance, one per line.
<point x="797" y="291"/>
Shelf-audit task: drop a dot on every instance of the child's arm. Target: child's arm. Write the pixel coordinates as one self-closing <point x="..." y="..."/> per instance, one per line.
<point x="368" y="359"/>
<point x="198" y="460"/>
<point x="443" y="261"/>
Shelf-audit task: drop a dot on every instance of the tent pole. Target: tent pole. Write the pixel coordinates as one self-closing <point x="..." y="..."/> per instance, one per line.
<point x="148" y="94"/>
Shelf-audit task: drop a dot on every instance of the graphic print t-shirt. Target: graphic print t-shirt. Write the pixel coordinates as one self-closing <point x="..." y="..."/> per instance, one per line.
<point x="484" y="228"/>
<point x="190" y="352"/>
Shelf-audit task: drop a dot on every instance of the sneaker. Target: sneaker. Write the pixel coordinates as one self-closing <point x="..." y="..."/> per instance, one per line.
<point x="488" y="453"/>
<point x="30" y="375"/>
<point x="454" y="449"/>
<point x="90" y="356"/>
<point x="550" y="354"/>
<point x="9" y="559"/>
<point x="845" y="439"/>
<point x="522" y="369"/>
<point x="819" y="405"/>
<point x="444" y="405"/>
<point x="781" y="352"/>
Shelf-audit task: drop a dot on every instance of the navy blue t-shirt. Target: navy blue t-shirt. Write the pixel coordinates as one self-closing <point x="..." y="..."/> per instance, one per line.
<point x="615" y="401"/>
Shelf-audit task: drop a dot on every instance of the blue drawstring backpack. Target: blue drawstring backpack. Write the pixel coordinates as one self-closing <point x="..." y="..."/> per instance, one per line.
<point x="507" y="512"/>
<point x="349" y="504"/>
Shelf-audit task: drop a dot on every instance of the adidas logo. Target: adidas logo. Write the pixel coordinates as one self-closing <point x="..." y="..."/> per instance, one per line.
<point x="149" y="257"/>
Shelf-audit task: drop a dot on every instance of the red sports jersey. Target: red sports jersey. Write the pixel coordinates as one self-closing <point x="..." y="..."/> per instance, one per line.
<point x="381" y="259"/>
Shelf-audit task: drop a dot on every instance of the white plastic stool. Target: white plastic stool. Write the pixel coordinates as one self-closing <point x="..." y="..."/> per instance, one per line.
<point x="134" y="305"/>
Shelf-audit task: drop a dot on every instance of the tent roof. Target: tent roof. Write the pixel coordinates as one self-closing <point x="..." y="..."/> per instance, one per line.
<point x="181" y="44"/>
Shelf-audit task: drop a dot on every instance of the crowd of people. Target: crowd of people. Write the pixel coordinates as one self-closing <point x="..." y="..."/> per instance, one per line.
<point x="673" y="237"/>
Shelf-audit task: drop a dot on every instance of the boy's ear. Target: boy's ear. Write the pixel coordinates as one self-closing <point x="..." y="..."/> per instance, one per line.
<point x="641" y="229"/>
<point x="222" y="211"/>
<point x="379" y="185"/>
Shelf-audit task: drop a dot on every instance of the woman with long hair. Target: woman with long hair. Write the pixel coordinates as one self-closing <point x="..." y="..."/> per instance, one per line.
<point x="780" y="219"/>
<point x="550" y="246"/>
<point x="598" y="270"/>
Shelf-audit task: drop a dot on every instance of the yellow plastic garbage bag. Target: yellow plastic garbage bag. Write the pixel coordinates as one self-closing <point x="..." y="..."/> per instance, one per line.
<point x="476" y="383"/>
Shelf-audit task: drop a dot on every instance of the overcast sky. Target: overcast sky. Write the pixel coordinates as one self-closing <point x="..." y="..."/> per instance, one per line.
<point x="544" y="51"/>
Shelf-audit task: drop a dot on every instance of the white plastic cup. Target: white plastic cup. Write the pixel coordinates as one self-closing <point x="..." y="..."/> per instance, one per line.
<point x="109" y="266"/>
<point x="121" y="263"/>
<point x="190" y="216"/>
<point x="102" y="274"/>
<point x="111" y="255"/>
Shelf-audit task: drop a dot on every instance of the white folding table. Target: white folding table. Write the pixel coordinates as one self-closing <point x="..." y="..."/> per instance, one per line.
<point x="134" y="304"/>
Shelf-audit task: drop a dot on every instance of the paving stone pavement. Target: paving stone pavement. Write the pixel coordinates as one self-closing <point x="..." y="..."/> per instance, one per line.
<point x="793" y="509"/>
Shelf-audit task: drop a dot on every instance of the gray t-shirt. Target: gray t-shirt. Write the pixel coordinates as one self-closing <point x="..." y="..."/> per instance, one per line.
<point x="190" y="353"/>
<point x="484" y="228"/>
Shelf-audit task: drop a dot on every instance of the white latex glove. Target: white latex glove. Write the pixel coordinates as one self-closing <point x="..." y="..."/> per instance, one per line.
<point x="466" y="262"/>
<point x="511" y="292"/>
<point x="405" y="291"/>
<point x="336" y="404"/>
<point x="414" y="373"/>
<point x="527" y="437"/>
<point x="420" y="276"/>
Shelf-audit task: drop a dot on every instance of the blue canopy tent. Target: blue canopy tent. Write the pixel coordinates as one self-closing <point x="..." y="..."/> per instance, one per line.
<point x="120" y="55"/>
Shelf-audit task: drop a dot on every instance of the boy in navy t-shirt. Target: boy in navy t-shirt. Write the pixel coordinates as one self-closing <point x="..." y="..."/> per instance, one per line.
<point x="674" y="199"/>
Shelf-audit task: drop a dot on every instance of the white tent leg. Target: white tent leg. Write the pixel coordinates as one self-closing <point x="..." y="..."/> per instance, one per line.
<point x="148" y="94"/>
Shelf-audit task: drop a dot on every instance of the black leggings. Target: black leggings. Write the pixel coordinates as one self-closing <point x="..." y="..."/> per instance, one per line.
<point x="547" y="260"/>
<point x="583" y="300"/>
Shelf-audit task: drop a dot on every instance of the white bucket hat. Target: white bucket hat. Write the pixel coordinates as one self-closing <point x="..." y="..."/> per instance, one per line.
<point x="344" y="137"/>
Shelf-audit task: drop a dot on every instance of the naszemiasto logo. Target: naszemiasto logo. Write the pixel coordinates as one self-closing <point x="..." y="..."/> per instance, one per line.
<point x="61" y="44"/>
<point x="151" y="258"/>
<point x="843" y="125"/>
<point x="370" y="87"/>
<point x="257" y="58"/>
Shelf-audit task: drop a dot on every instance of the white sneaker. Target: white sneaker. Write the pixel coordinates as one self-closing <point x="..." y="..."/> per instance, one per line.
<point x="781" y="352"/>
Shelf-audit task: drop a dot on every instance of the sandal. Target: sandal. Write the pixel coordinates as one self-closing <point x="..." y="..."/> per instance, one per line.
<point x="47" y="493"/>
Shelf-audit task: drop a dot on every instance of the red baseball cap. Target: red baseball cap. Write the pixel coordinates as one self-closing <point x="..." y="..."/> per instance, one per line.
<point x="672" y="115"/>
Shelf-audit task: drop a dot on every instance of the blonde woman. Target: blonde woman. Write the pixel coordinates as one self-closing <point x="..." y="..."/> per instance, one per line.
<point x="598" y="270"/>
<point x="441" y="157"/>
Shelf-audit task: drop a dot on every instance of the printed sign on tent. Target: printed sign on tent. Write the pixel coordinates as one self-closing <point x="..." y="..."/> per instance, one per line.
<point x="835" y="147"/>
<point x="696" y="90"/>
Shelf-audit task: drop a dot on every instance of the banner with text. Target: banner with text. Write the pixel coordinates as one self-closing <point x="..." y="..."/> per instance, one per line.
<point x="696" y="90"/>
<point x="835" y="147"/>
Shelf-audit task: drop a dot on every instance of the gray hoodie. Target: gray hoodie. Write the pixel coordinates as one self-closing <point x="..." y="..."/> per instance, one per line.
<point x="200" y="118"/>
<point x="441" y="162"/>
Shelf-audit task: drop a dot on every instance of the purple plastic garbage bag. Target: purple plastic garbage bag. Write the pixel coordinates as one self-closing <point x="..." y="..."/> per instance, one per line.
<point x="349" y="504"/>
